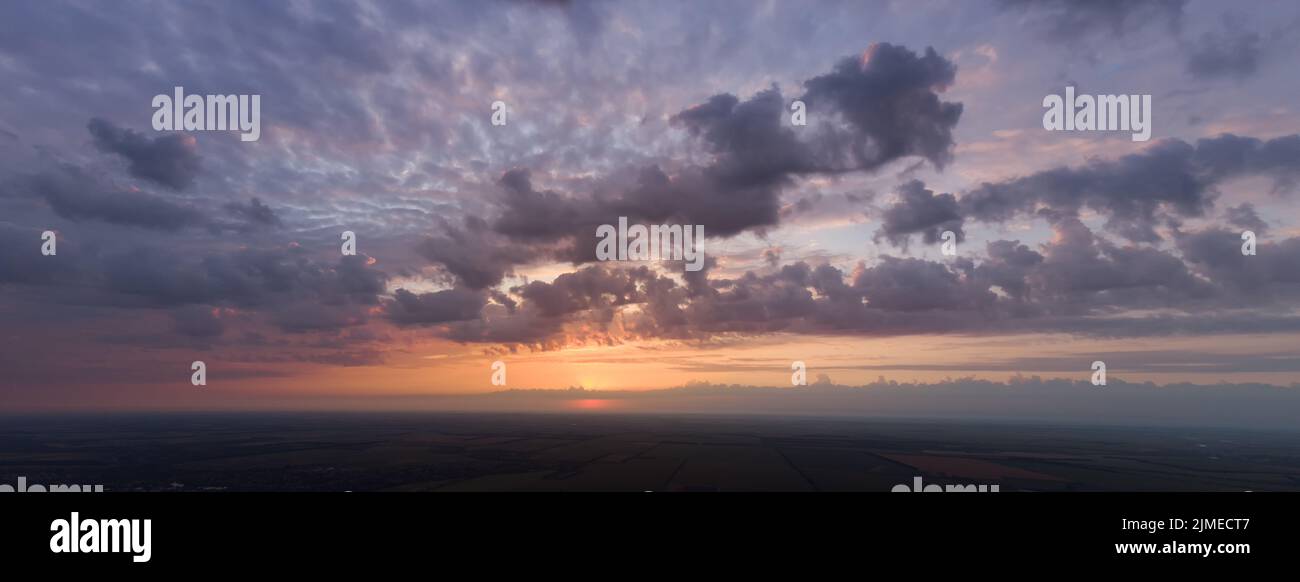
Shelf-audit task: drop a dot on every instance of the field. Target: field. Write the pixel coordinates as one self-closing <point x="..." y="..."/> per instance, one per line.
<point x="607" y="452"/>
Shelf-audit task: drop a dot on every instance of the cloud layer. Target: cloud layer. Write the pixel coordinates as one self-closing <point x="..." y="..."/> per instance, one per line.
<point x="481" y="238"/>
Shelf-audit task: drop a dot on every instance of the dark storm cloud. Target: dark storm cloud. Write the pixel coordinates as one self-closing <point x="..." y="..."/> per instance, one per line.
<point x="751" y="303"/>
<point x="879" y="300"/>
<point x="919" y="210"/>
<point x="297" y="292"/>
<point x="908" y="284"/>
<point x="1006" y="268"/>
<point x="887" y="98"/>
<point x="456" y="304"/>
<point x="523" y="328"/>
<point x="1137" y="192"/>
<point x="1271" y="273"/>
<point x="697" y="196"/>
<point x="1228" y="156"/>
<point x="1083" y="271"/>
<point x="475" y="254"/>
<point x="74" y="195"/>
<point x="890" y="96"/>
<point x="1232" y="53"/>
<point x="589" y="288"/>
<point x="1131" y="191"/>
<point x="533" y="215"/>
<point x="753" y="145"/>
<point x="165" y="278"/>
<point x="171" y="159"/>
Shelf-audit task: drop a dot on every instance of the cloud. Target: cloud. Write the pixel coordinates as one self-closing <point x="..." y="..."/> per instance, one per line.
<point x="254" y="214"/>
<point x="1077" y="283"/>
<point x="915" y="285"/>
<point x="1081" y="271"/>
<point x="753" y="145"/>
<point x="171" y="160"/>
<point x="199" y="321"/>
<point x="1244" y="215"/>
<point x="1231" y="53"/>
<point x="456" y="304"/>
<point x="890" y="96"/>
<point x="877" y="108"/>
<point x="1007" y="267"/>
<point x="578" y="307"/>
<point x="1137" y="192"/>
<point x="629" y="125"/>
<point x="1270" y="273"/>
<point x="919" y="210"/>
<point x="772" y="256"/>
<point x="75" y="195"/>
<point x="21" y="260"/>
<point x="1070" y="22"/>
<point x="476" y="255"/>
<point x="293" y="291"/>
<point x="588" y="288"/>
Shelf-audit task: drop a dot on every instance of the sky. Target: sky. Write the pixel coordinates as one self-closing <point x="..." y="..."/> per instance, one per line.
<point x="475" y="242"/>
